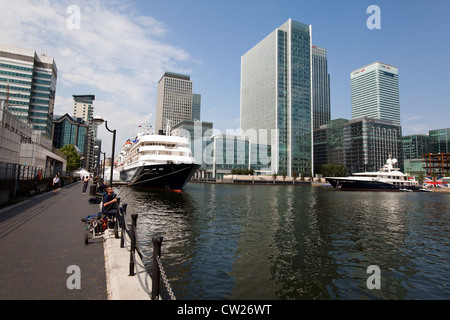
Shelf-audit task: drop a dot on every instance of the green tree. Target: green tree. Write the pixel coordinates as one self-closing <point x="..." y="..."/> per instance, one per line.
<point x="73" y="158"/>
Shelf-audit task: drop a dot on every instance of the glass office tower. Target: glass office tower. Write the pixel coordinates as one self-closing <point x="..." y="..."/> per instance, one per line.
<point x="320" y="87"/>
<point x="28" y="84"/>
<point x="375" y="92"/>
<point x="276" y="96"/>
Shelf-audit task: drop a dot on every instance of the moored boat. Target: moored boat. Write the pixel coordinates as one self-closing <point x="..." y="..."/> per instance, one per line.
<point x="388" y="178"/>
<point x="156" y="161"/>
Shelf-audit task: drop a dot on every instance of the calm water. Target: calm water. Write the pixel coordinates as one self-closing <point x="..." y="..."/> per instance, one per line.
<point x="285" y="242"/>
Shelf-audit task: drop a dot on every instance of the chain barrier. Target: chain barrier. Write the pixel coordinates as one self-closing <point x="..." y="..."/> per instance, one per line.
<point x="165" y="280"/>
<point x="144" y="282"/>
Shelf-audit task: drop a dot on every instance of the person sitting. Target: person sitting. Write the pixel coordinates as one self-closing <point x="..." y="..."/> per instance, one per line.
<point x="109" y="206"/>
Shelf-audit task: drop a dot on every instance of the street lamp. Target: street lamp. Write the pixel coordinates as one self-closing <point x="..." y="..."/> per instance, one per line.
<point x="98" y="121"/>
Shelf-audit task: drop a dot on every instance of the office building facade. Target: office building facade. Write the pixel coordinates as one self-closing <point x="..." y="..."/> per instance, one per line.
<point x="375" y="92"/>
<point x="83" y="107"/>
<point x="328" y="143"/>
<point x="68" y="130"/>
<point x="276" y="96"/>
<point x="369" y="142"/>
<point x="320" y="87"/>
<point x="174" y="101"/>
<point x="28" y="85"/>
<point x="440" y="140"/>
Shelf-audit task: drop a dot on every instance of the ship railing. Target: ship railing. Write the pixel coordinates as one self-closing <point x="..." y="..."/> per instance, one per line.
<point x="141" y="267"/>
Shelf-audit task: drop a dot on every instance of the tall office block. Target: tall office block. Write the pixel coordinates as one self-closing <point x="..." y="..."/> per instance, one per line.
<point x="320" y="87"/>
<point x="276" y="96"/>
<point x="83" y="107"/>
<point x="174" y="100"/>
<point x="375" y="92"/>
<point x="28" y="84"/>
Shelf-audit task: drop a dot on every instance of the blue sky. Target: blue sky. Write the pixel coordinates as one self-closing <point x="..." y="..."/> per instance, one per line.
<point x="122" y="48"/>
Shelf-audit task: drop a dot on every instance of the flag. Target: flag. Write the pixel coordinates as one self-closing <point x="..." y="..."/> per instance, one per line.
<point x="437" y="183"/>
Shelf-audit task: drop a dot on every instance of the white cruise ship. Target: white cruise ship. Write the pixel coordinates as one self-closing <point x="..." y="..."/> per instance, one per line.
<point x="156" y="161"/>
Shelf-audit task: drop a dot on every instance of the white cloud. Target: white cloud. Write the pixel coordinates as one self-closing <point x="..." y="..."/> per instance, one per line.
<point x="117" y="54"/>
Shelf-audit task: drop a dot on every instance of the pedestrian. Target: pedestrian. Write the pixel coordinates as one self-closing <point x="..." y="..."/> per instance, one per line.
<point x="85" y="183"/>
<point x="55" y="183"/>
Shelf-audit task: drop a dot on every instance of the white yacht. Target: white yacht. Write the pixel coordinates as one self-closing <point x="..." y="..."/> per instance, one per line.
<point x="388" y="178"/>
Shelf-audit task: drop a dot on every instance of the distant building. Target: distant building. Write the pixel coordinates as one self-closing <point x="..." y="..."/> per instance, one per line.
<point x="68" y="130"/>
<point x="328" y="143"/>
<point x="175" y="101"/>
<point x="199" y="132"/>
<point x="375" y="92"/>
<point x="320" y="87"/>
<point x="276" y="96"/>
<point x="440" y="140"/>
<point x="28" y="85"/>
<point x="368" y="143"/>
<point x="226" y="152"/>
<point x="21" y="145"/>
<point x="415" y="147"/>
<point x="83" y="107"/>
<point x="196" y="106"/>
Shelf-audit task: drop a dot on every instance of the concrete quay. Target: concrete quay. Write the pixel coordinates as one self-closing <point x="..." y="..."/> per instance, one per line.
<point x="44" y="257"/>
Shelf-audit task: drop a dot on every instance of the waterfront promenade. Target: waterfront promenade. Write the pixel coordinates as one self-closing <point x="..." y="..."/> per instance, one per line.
<point x="41" y="239"/>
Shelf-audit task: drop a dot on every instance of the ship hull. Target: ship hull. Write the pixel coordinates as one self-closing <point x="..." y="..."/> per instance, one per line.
<point x="168" y="176"/>
<point x="367" y="185"/>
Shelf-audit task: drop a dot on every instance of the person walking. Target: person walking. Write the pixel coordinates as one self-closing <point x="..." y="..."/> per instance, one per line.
<point x="55" y="183"/>
<point x="85" y="183"/>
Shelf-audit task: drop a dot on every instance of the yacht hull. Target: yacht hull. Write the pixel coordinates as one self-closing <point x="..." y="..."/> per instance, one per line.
<point x="366" y="185"/>
<point x="168" y="176"/>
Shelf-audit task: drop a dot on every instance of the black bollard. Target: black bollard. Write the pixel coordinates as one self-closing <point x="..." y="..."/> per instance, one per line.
<point x="157" y="242"/>
<point x="122" y="225"/>
<point x="133" y="242"/>
<point x="116" y="223"/>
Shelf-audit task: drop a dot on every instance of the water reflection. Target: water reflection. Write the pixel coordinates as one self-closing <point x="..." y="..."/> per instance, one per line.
<point x="285" y="242"/>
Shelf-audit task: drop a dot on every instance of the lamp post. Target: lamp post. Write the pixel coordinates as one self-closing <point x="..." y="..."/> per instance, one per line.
<point x="103" y="170"/>
<point x="98" y="121"/>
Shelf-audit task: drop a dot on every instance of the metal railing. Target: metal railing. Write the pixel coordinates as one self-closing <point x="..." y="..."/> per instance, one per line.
<point x="132" y="244"/>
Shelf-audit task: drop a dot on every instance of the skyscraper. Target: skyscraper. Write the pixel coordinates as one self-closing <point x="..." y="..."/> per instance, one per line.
<point x="276" y="96"/>
<point x="375" y="92"/>
<point x="196" y="106"/>
<point x="83" y="107"/>
<point x="174" y="100"/>
<point x="28" y="84"/>
<point x="320" y="87"/>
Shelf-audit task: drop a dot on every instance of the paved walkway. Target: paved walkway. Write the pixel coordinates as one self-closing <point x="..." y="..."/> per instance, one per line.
<point x="40" y="238"/>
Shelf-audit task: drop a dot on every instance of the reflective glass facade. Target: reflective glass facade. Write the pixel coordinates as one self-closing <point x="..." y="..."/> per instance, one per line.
<point x="320" y="87"/>
<point x="368" y="143"/>
<point x="68" y="130"/>
<point x="276" y="94"/>
<point x="28" y="82"/>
